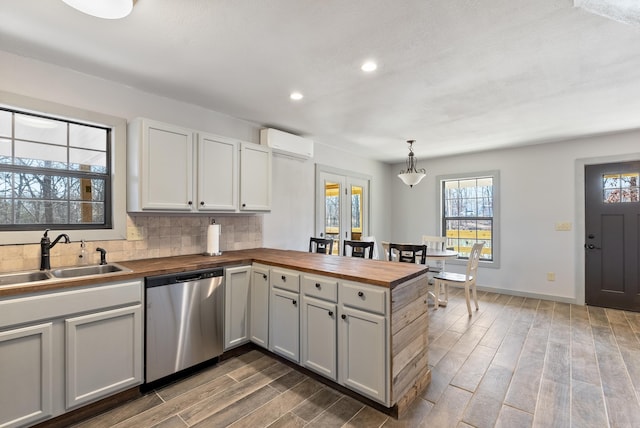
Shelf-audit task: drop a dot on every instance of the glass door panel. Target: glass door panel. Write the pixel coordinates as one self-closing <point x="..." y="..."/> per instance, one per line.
<point x="342" y="208"/>
<point x="357" y="198"/>
<point x="332" y="216"/>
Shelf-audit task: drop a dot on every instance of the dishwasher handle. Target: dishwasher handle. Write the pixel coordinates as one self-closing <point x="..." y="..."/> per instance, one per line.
<point x="189" y="277"/>
<point x="160" y="280"/>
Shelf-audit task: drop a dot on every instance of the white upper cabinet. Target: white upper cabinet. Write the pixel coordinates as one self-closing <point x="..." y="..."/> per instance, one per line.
<point x="217" y="161"/>
<point x="159" y="165"/>
<point x="255" y="178"/>
<point x="174" y="169"/>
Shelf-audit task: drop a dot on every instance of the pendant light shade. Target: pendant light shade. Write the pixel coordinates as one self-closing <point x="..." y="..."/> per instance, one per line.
<point x="412" y="176"/>
<point x="107" y="9"/>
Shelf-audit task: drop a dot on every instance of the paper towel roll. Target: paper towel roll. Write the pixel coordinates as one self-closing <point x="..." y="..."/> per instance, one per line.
<point x="213" y="239"/>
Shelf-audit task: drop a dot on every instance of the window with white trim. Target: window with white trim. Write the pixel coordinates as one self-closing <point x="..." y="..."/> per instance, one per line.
<point x="113" y="170"/>
<point x="54" y="173"/>
<point x="469" y="213"/>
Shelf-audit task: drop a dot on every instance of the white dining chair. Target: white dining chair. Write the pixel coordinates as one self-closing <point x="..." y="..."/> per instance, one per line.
<point x="435" y="265"/>
<point x="468" y="279"/>
<point x="385" y="248"/>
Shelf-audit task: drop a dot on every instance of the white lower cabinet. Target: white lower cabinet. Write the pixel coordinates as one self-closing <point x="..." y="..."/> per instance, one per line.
<point x="26" y="391"/>
<point x="319" y="336"/>
<point x="362" y="353"/>
<point x="340" y="328"/>
<point x="259" y="298"/>
<point x="100" y="349"/>
<point x="284" y="324"/>
<point x="236" y="305"/>
<point x="363" y="337"/>
<point x="63" y="349"/>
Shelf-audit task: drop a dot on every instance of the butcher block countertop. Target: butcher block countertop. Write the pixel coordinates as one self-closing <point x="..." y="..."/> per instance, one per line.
<point x="375" y="272"/>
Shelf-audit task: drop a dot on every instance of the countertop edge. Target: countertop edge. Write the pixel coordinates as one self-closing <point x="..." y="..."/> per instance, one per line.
<point x="359" y="270"/>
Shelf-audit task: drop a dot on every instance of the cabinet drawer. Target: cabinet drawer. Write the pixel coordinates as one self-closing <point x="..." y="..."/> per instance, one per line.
<point x="285" y="279"/>
<point x="320" y="287"/>
<point x="361" y="296"/>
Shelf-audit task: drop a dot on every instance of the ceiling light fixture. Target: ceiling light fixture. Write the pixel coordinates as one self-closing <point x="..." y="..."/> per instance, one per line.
<point x="412" y="175"/>
<point x="107" y="9"/>
<point x="369" y="66"/>
<point x="296" y="96"/>
<point x="627" y="11"/>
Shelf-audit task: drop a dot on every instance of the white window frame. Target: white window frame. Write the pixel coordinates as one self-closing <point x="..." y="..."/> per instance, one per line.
<point x="495" y="175"/>
<point x="118" y="168"/>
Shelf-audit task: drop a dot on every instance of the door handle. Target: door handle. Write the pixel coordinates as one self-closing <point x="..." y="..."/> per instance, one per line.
<point x="591" y="247"/>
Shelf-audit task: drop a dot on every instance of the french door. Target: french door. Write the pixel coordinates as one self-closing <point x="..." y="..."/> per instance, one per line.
<point x="612" y="235"/>
<point x="342" y="207"/>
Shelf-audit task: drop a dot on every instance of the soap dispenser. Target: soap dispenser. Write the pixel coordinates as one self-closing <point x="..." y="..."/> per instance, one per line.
<point x="82" y="255"/>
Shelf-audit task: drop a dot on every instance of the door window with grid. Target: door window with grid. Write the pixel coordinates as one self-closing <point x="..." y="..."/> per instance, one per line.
<point x="469" y="213"/>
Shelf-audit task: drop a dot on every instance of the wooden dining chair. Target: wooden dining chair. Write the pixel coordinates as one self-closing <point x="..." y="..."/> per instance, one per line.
<point x="320" y="245"/>
<point x="408" y="253"/>
<point x="375" y="245"/>
<point x="358" y="249"/>
<point x="468" y="279"/>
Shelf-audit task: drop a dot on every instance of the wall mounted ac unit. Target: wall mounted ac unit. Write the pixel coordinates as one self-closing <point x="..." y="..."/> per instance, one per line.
<point x="287" y="144"/>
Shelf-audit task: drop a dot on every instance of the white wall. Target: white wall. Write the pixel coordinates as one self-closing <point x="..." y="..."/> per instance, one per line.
<point x="540" y="186"/>
<point x="292" y="218"/>
<point x="40" y="80"/>
<point x="291" y="221"/>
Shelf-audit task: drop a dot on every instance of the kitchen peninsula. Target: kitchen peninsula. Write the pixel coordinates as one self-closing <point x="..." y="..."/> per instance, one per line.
<point x="377" y="321"/>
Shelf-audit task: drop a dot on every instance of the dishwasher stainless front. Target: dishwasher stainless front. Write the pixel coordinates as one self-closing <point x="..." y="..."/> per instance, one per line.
<point x="184" y="321"/>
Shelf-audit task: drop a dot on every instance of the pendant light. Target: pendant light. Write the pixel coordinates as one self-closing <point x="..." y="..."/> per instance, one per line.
<point x="107" y="9"/>
<point x="412" y="175"/>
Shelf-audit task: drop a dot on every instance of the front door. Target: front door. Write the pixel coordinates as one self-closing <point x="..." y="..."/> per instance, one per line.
<point x="612" y="235"/>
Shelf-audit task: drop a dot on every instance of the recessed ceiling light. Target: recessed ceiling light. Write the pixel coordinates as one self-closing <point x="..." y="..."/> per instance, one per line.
<point x="369" y="66"/>
<point x="107" y="9"/>
<point x="296" y="96"/>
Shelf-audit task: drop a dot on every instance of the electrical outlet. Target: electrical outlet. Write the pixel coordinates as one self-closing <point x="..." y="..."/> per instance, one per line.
<point x="551" y="276"/>
<point x="564" y="226"/>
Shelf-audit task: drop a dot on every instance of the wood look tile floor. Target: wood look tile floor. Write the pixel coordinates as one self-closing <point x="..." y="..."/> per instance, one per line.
<point x="517" y="362"/>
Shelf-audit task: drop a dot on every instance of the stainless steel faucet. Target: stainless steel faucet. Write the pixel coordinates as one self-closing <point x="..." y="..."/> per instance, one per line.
<point x="46" y="245"/>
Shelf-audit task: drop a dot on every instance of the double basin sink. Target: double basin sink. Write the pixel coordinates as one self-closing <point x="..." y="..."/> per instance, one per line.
<point x="24" y="278"/>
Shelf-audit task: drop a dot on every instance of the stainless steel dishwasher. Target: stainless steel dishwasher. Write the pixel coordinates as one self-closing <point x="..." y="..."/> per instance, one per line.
<point x="184" y="321"/>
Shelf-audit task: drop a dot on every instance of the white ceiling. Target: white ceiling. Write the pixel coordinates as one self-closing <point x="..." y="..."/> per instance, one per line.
<point x="456" y="75"/>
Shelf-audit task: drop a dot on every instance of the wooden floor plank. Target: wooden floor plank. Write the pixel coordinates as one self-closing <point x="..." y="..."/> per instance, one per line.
<point x="219" y="401"/>
<point x="279" y="406"/>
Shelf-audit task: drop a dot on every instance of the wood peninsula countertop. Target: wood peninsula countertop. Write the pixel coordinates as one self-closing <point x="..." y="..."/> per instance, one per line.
<point x="375" y="272"/>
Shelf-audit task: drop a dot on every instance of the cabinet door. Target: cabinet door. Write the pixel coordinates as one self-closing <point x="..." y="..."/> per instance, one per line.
<point x="362" y="353"/>
<point x="259" y="318"/>
<point x="255" y="177"/>
<point x="217" y="174"/>
<point x="236" y="305"/>
<point x="167" y="167"/>
<point x="25" y="362"/>
<point x="284" y="324"/>
<point x="103" y="354"/>
<point x="319" y="337"/>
